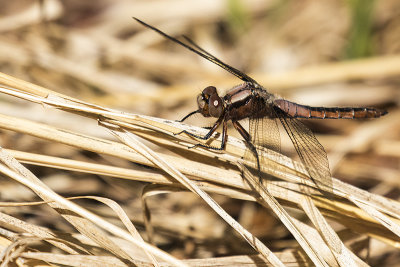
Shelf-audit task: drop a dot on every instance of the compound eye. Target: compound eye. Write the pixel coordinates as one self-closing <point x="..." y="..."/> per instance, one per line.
<point x="210" y="90"/>
<point x="200" y="101"/>
<point x="215" y="105"/>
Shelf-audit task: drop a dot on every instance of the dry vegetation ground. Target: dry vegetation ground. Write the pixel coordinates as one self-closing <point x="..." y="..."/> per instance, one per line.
<point x="93" y="175"/>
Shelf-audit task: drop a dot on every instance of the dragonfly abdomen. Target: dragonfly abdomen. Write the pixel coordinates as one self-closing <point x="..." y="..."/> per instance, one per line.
<point x="301" y="111"/>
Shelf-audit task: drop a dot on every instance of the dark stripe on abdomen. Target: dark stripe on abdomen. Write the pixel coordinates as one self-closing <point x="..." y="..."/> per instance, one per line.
<point x="301" y="111"/>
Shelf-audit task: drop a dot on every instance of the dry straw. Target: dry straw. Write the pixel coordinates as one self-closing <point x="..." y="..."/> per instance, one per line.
<point x="320" y="242"/>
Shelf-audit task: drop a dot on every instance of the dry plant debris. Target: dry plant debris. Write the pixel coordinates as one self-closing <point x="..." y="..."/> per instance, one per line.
<point x="93" y="173"/>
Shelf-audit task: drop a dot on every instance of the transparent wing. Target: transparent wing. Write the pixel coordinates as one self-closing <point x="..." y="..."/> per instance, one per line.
<point x="312" y="154"/>
<point x="204" y="54"/>
<point x="265" y="132"/>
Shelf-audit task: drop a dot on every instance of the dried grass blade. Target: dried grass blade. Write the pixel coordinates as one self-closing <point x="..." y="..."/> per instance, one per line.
<point x="85" y="224"/>
<point x="112" y="204"/>
<point x="378" y="216"/>
<point x="36" y="231"/>
<point x="148" y="191"/>
<point x="125" y="220"/>
<point x="87" y="167"/>
<point x="79" y="260"/>
<point x="16" y="170"/>
<point x="129" y="139"/>
<point x="381" y="203"/>
<point x="317" y="241"/>
<point x="330" y="237"/>
<point x="270" y="202"/>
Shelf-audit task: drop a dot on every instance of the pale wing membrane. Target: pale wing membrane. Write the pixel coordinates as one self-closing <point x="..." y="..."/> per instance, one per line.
<point x="263" y="128"/>
<point x="264" y="132"/>
<point x="201" y="52"/>
<point x="312" y="154"/>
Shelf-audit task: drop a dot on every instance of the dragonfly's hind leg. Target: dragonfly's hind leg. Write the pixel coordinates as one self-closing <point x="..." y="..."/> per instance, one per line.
<point x="247" y="139"/>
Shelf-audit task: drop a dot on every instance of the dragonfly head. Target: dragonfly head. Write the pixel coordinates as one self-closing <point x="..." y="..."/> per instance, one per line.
<point x="209" y="102"/>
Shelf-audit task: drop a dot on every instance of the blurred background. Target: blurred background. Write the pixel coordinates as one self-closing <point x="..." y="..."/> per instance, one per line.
<point x="321" y="53"/>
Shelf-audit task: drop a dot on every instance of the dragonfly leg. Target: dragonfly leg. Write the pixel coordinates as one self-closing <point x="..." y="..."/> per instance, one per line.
<point x="189" y="115"/>
<point x="197" y="136"/>
<point x="247" y="139"/>
<point x="224" y="138"/>
<point x="208" y="135"/>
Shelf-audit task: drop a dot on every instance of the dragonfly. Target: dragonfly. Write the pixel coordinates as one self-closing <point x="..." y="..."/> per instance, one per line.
<point x="265" y="111"/>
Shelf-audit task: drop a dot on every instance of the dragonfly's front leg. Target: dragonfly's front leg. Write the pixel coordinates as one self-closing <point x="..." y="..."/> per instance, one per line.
<point x="189" y="115"/>
<point x="191" y="134"/>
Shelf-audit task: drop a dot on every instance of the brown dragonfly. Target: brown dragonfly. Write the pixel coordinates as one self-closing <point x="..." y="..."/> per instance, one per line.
<point x="264" y="110"/>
